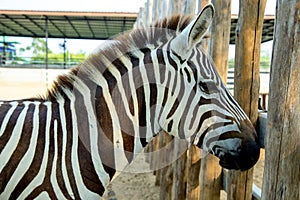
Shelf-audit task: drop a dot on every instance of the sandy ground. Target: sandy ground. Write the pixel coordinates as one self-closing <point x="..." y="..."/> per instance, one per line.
<point x="127" y="186"/>
<point x="25" y="83"/>
<point x="132" y="186"/>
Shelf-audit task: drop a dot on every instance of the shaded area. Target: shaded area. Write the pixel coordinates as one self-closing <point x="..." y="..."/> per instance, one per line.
<point x="75" y="25"/>
<point x="86" y="25"/>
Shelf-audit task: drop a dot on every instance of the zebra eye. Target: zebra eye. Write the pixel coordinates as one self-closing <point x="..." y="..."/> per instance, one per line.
<point x="208" y="87"/>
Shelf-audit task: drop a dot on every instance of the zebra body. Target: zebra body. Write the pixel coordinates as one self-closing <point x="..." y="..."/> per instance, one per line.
<point x="69" y="144"/>
<point x="40" y="156"/>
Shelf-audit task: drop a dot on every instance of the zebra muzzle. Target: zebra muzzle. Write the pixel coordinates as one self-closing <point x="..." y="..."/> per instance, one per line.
<point x="238" y="150"/>
<point x="243" y="159"/>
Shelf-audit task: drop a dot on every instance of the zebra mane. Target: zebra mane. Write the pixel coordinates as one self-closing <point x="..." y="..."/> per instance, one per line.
<point x="138" y="38"/>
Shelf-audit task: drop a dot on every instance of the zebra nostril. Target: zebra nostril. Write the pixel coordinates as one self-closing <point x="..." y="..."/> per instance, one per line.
<point x="239" y="149"/>
<point x="221" y="154"/>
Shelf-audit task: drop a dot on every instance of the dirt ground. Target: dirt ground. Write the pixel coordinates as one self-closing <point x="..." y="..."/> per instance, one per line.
<point x="132" y="186"/>
<point x="127" y="186"/>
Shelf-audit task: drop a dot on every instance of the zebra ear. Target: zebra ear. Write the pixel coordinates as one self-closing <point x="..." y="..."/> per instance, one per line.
<point x="200" y="25"/>
<point x="195" y="31"/>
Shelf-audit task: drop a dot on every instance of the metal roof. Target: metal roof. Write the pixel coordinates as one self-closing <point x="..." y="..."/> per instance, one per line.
<point x="85" y="25"/>
<point x="77" y="25"/>
<point x="268" y="28"/>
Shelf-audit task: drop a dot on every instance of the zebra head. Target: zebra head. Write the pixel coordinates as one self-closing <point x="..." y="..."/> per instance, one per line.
<point x="159" y="79"/>
<point x="204" y="112"/>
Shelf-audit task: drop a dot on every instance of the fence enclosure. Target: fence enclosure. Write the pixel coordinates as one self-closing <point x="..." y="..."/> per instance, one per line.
<point x="193" y="177"/>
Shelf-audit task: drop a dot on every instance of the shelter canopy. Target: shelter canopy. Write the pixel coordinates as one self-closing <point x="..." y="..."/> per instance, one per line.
<point x="76" y="25"/>
<point x="85" y="25"/>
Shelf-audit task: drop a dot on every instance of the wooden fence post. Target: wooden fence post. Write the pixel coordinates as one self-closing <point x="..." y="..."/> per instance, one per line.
<point x="202" y="3"/>
<point x="246" y="83"/>
<point x="166" y="173"/>
<point x="174" y="174"/>
<point x="179" y="169"/>
<point x="174" y="7"/>
<point x="210" y="171"/>
<point x="158" y="158"/>
<point x="163" y="9"/>
<point x="155" y="11"/>
<point x="193" y="155"/>
<point x="188" y="7"/>
<point x="282" y="160"/>
<point x="220" y="36"/>
<point x="210" y="177"/>
<point x="148" y="13"/>
<point x="193" y="171"/>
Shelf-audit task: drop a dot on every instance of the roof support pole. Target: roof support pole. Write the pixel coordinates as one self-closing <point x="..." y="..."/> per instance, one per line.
<point x="46" y="36"/>
<point x="65" y="55"/>
<point x="3" y="51"/>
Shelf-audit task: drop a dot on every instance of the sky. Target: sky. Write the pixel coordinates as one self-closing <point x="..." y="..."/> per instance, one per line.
<point x="96" y="5"/>
<point x="74" y="5"/>
<point x="88" y="46"/>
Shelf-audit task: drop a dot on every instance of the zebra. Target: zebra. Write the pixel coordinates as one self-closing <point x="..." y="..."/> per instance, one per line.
<point x="70" y="143"/>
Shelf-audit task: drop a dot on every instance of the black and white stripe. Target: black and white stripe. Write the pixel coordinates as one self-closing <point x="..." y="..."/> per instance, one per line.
<point x="69" y="144"/>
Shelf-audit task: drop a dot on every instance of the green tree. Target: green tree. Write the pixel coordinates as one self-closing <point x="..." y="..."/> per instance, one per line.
<point x="38" y="48"/>
<point x="265" y="60"/>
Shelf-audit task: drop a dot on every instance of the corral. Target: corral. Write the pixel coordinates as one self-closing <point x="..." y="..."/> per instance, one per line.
<point x="182" y="178"/>
<point x="179" y="181"/>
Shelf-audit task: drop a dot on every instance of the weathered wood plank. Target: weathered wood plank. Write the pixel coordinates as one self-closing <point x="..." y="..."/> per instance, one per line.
<point x="210" y="171"/>
<point x="247" y="58"/>
<point x="179" y="169"/>
<point x="193" y="171"/>
<point x="246" y="83"/>
<point x="220" y="35"/>
<point x="166" y="172"/>
<point x="210" y="177"/>
<point x="174" y="7"/>
<point x="188" y="7"/>
<point x="282" y="174"/>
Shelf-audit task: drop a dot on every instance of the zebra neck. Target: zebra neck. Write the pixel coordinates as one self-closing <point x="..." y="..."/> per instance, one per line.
<point x="118" y="108"/>
<point x="113" y="130"/>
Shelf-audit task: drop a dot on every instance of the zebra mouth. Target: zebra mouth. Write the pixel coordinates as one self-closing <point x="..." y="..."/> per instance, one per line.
<point x="227" y="158"/>
<point x="240" y="159"/>
<point x="229" y="165"/>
